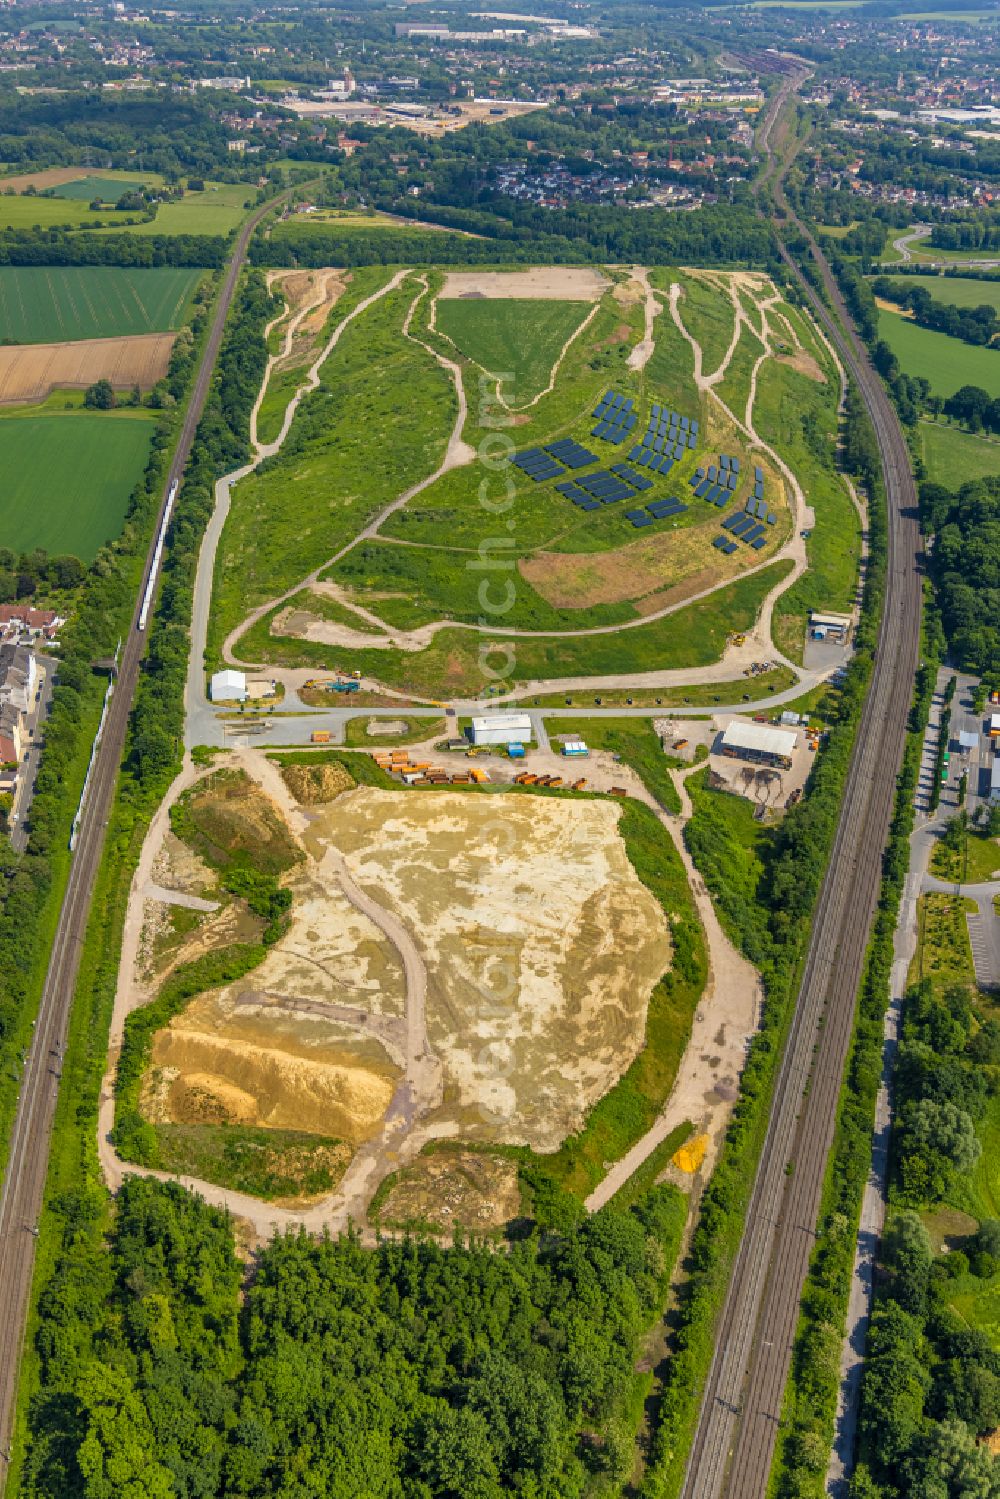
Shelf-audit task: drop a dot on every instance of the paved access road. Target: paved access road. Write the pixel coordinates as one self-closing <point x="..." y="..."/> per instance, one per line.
<point x="742" y="1399"/>
<point x="21" y="1197"/>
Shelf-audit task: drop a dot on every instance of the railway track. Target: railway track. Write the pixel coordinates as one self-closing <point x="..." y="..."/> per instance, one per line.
<point x="27" y="1166"/>
<point x="741" y="1405"/>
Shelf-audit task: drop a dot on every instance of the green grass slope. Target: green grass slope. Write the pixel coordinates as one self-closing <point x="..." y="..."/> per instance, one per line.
<point x="518" y="338"/>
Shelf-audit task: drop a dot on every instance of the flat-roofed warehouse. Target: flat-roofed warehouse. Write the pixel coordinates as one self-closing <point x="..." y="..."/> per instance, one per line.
<point x="501" y="728"/>
<point x="759" y="742"/>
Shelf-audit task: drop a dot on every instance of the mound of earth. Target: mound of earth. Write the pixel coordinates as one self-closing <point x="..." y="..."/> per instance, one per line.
<point x="228" y="819"/>
<point x="455" y="1188"/>
<point x="313" y="784"/>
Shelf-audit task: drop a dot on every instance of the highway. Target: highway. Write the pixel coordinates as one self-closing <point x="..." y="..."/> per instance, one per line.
<point x="741" y="1404"/>
<point x="23" y="1186"/>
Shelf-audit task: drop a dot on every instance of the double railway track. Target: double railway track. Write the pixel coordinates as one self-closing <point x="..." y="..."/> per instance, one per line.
<point x="741" y="1405"/>
<point x="27" y="1164"/>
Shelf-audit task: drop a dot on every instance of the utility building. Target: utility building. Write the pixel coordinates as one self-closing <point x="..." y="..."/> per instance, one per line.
<point x="228" y="687"/>
<point x="760" y="743"/>
<point x="501" y="728"/>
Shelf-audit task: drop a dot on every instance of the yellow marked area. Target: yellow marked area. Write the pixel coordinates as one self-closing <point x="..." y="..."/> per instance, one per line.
<point x="691" y="1154"/>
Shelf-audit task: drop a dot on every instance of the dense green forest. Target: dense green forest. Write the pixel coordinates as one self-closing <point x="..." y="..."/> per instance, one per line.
<point x="963" y="563"/>
<point x="408" y="1370"/>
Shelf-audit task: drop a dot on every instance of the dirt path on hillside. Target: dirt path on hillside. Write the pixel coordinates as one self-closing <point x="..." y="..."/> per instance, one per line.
<point x="707" y="1081"/>
<point x="458" y="453"/>
<point x="322" y="292"/>
<point x="795" y="546"/>
<point x="643" y="351"/>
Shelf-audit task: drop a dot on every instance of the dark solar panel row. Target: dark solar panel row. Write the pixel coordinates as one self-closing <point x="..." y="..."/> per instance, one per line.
<point x="609" y="432"/>
<point x="571" y="453"/>
<point x="663" y="509"/>
<point x="637" y="481"/>
<point x="638" y="518"/>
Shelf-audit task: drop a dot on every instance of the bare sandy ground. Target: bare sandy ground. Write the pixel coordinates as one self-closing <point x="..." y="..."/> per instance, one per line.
<point x="540" y="943"/>
<point x="644" y="350"/>
<point x="556" y="283"/>
<point x="707" y="1081"/>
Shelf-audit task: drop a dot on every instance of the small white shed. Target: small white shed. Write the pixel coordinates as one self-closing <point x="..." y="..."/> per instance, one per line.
<point x="228" y="686"/>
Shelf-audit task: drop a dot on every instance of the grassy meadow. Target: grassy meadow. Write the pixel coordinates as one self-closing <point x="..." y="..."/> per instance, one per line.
<point x="518" y="338"/>
<point x="953" y="457"/>
<point x="945" y="362"/>
<point x="64" y="213"/>
<point x="959" y="291"/>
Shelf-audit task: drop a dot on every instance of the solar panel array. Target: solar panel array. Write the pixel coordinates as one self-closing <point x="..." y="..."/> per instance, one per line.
<point x="571" y="453"/>
<point x="637" y="481"/>
<point x="615" y="417"/>
<point x="606" y="487"/>
<point x="537" y="464"/>
<point x="666" y="440"/>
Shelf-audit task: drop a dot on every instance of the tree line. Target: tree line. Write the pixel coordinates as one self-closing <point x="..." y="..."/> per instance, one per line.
<point x="56" y="246"/>
<point x="931" y="1387"/>
<point x="974" y="325"/>
<point x="965" y="527"/>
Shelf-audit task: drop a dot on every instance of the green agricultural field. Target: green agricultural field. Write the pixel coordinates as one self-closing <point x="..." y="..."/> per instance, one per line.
<point x="953" y="457"/>
<point x="48" y="213"/>
<point x="67" y="479"/>
<point x="946" y="363"/>
<point x="960" y="291"/>
<point x="47" y="304"/>
<point x="519" y="338"/>
<point x="217" y="210"/>
<point x="108" y="189"/>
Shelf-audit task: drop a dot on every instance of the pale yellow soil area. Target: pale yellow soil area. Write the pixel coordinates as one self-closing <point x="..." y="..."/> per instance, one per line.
<point x="229" y="1060"/>
<point x="541" y="946"/>
<point x="563" y="283"/>
<point x="29" y="371"/>
<point x="455" y="1188"/>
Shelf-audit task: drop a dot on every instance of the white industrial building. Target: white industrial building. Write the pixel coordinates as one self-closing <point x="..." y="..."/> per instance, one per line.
<point x="995" y="781"/>
<point x="501" y="728"/>
<point x="228" y="686"/>
<point x="759" y="742"/>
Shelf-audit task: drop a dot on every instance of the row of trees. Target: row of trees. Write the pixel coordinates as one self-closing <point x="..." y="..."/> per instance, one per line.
<point x="931" y="1387"/>
<point x="63" y="247"/>
<point x="709" y="235"/>
<point x="974" y="325"/>
<point x="963" y="564"/>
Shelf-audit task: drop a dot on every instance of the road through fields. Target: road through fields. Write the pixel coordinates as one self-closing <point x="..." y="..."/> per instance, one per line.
<point x="24" y="1183"/>
<point x="741" y="1405"/>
